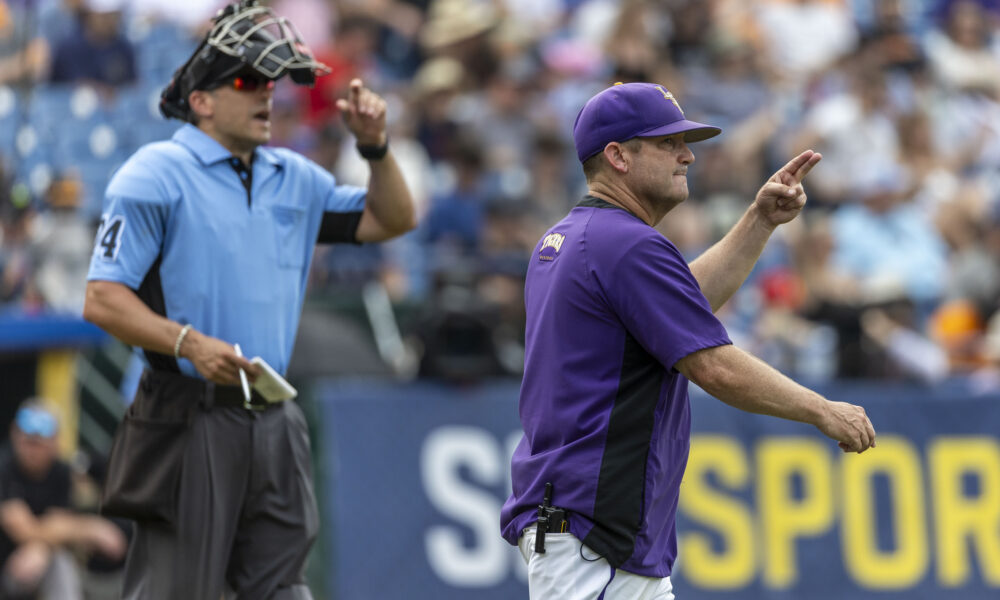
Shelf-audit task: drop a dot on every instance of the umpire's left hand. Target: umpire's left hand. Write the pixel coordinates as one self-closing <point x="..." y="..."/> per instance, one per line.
<point x="363" y="112"/>
<point x="782" y="197"/>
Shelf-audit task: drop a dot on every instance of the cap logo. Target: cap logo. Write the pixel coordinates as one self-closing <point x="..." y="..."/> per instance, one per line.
<point x="669" y="96"/>
<point x="551" y="245"/>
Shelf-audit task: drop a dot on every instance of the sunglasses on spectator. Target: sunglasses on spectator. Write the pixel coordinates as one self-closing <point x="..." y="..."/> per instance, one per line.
<point x="248" y="82"/>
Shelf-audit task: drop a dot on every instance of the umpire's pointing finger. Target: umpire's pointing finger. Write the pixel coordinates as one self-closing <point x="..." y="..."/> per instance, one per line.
<point x="355" y="91"/>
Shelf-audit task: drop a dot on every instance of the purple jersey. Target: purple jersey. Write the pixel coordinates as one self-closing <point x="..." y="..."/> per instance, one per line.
<point x="611" y="306"/>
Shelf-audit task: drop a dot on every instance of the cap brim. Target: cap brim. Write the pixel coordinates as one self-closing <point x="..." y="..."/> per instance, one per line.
<point x="693" y="131"/>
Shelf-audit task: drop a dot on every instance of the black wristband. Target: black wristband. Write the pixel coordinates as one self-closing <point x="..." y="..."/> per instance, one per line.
<point x="374" y="152"/>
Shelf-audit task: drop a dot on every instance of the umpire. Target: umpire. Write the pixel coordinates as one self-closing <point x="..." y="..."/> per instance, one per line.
<point x="206" y="241"/>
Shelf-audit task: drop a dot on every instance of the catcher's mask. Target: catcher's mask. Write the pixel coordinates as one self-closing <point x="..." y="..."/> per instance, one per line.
<point x="245" y="36"/>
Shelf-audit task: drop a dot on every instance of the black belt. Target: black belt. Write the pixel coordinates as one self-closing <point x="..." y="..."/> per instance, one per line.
<point x="210" y="394"/>
<point x="232" y="395"/>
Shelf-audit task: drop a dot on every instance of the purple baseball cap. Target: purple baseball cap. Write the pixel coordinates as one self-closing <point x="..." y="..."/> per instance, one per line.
<point x="628" y="110"/>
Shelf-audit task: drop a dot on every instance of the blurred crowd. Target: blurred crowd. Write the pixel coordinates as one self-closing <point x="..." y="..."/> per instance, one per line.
<point x="892" y="271"/>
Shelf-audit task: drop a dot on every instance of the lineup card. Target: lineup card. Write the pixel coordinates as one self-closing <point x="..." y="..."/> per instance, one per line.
<point x="271" y="385"/>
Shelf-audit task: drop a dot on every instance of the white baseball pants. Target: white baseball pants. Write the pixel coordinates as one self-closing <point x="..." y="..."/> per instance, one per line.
<point x="566" y="571"/>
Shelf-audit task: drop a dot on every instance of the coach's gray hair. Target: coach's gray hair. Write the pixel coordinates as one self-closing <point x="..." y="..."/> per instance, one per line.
<point x="595" y="164"/>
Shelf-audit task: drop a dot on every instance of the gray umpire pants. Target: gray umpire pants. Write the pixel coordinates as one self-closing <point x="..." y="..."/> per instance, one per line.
<point x="246" y="516"/>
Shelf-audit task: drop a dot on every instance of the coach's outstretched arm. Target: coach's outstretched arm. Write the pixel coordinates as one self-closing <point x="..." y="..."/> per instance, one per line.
<point x="742" y="380"/>
<point x="389" y="206"/>
<point x="723" y="268"/>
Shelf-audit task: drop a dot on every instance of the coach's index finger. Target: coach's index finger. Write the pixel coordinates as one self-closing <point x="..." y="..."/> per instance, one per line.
<point x="796" y="169"/>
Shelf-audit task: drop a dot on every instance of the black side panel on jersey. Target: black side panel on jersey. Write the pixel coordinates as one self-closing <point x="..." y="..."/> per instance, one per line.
<point x="618" y="508"/>
<point x="339" y="227"/>
<point x="151" y="293"/>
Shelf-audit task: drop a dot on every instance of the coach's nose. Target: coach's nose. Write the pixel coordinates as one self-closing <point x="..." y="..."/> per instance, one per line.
<point x="686" y="156"/>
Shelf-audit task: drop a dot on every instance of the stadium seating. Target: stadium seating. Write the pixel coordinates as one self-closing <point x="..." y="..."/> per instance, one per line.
<point x="10" y="118"/>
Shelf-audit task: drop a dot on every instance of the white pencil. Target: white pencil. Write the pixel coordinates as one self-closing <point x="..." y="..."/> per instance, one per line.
<point x="243" y="379"/>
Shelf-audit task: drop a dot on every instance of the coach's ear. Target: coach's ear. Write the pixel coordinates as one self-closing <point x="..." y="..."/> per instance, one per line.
<point x="615" y="154"/>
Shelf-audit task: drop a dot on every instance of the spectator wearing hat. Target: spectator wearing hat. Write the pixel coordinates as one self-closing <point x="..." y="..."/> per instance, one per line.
<point x="437" y="87"/>
<point x="461" y="30"/>
<point x="37" y="525"/>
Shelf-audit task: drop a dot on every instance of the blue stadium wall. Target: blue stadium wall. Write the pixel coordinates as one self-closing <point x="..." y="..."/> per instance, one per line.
<point x="416" y="476"/>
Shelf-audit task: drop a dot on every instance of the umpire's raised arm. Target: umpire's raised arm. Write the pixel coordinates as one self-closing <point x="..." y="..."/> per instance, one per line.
<point x="389" y="208"/>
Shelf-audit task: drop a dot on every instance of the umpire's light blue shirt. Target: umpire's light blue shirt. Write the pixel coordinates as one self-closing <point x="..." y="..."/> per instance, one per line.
<point x="177" y="223"/>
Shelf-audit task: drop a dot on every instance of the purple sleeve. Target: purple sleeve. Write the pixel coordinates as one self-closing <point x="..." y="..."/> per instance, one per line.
<point x="652" y="290"/>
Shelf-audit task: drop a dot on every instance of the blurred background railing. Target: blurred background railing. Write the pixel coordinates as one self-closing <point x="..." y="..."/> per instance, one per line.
<point x="891" y="277"/>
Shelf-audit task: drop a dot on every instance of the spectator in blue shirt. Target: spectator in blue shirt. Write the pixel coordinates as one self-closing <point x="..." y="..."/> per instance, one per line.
<point x="98" y="51"/>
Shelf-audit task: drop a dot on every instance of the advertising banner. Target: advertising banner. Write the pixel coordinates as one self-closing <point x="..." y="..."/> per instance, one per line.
<point x="416" y="476"/>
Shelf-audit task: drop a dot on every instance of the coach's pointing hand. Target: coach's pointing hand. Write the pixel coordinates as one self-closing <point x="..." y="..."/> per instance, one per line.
<point x="781" y="198"/>
<point x="849" y="425"/>
<point x="363" y="112"/>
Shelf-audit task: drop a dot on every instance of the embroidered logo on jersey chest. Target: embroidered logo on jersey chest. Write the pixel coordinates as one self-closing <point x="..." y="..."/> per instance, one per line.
<point x="551" y="244"/>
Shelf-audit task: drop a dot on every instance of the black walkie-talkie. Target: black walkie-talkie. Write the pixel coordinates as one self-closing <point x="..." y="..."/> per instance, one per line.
<point x="543" y="519"/>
